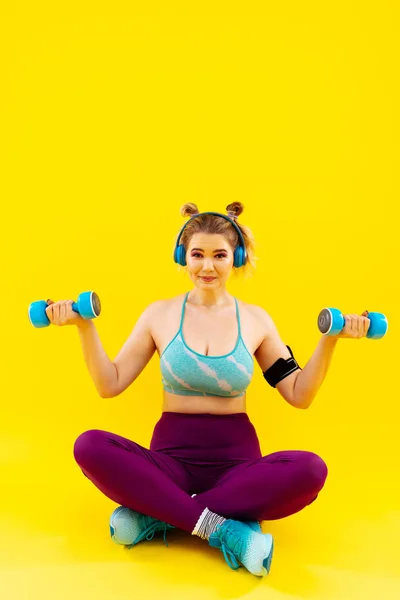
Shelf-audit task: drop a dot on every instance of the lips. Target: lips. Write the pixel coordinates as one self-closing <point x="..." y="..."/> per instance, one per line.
<point x="208" y="278"/>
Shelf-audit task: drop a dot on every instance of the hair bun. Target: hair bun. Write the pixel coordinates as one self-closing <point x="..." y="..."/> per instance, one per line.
<point x="235" y="209"/>
<point x="189" y="210"/>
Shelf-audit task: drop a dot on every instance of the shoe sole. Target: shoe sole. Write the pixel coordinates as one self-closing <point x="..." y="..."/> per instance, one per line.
<point x="261" y="548"/>
<point x="269" y="552"/>
<point x="112" y="528"/>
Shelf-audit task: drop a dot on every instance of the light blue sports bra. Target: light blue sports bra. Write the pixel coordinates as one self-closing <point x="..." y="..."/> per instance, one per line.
<point x="188" y="373"/>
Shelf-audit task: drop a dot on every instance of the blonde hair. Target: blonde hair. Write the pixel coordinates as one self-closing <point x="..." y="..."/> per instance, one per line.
<point x="206" y="223"/>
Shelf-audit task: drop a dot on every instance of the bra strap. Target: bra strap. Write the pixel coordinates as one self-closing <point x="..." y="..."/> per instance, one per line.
<point x="238" y="318"/>
<point x="183" y="310"/>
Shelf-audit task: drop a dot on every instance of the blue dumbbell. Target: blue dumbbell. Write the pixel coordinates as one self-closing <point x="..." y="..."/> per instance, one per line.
<point x="87" y="306"/>
<point x="331" y="322"/>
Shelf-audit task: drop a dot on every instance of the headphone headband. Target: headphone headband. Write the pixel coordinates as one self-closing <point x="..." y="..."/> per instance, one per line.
<point x="240" y="254"/>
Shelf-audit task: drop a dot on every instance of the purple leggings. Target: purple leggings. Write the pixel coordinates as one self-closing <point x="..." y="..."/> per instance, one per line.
<point x="217" y="457"/>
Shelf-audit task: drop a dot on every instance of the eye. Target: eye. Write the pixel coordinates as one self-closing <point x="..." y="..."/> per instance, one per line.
<point x="196" y="254"/>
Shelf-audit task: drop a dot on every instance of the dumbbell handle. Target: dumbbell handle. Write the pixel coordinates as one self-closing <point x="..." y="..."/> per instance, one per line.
<point x="74" y="307"/>
<point x="89" y="303"/>
<point x="331" y="322"/>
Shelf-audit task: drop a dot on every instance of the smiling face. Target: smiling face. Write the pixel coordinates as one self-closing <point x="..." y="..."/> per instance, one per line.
<point x="209" y="259"/>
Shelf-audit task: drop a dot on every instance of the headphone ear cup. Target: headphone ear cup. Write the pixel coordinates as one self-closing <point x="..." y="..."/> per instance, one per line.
<point x="180" y="255"/>
<point x="239" y="258"/>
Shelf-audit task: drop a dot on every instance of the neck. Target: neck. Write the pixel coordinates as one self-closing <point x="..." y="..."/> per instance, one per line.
<point x="209" y="298"/>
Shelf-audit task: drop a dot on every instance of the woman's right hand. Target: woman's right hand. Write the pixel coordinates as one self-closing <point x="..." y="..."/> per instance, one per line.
<point x="61" y="313"/>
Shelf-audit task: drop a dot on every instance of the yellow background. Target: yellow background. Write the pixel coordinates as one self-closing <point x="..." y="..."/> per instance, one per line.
<point x="111" y="119"/>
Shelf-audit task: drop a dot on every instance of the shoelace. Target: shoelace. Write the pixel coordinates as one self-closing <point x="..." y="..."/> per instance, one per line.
<point x="230" y="557"/>
<point x="150" y="530"/>
<point x="230" y="554"/>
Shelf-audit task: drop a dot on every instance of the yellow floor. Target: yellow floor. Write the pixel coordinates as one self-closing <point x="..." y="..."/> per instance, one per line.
<point x="54" y="542"/>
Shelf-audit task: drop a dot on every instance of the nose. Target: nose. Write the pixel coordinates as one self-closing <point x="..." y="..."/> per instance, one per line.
<point x="208" y="264"/>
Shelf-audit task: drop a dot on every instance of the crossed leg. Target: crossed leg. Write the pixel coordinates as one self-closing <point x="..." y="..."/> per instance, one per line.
<point x="271" y="487"/>
<point x="143" y="480"/>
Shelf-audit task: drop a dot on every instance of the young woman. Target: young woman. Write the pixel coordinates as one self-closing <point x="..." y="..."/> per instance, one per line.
<point x="204" y="472"/>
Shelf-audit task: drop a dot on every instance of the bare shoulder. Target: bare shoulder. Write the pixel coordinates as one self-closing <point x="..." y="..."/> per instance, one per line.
<point x="162" y="307"/>
<point x="260" y="316"/>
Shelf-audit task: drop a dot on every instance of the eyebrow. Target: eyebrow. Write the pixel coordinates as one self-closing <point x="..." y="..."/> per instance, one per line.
<point x="221" y="250"/>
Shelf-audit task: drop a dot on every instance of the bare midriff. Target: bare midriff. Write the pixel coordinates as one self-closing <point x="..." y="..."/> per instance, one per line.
<point x="214" y="405"/>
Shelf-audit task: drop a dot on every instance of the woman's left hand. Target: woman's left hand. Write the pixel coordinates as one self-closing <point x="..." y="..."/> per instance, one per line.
<point x="356" y="326"/>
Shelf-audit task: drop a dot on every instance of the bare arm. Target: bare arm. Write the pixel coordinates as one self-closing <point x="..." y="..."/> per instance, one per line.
<point x="111" y="378"/>
<point x="270" y="350"/>
<point x="300" y="387"/>
<point x="100" y="367"/>
<point x="136" y="353"/>
<point x="312" y="376"/>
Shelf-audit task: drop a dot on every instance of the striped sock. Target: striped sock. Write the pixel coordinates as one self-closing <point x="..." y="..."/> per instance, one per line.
<point x="207" y="523"/>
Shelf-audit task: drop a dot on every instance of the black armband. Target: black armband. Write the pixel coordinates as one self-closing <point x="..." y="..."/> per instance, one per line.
<point x="281" y="369"/>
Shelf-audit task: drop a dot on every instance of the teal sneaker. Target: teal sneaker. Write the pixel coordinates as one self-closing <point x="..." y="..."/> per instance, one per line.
<point x="128" y="527"/>
<point x="255" y="525"/>
<point x="240" y="543"/>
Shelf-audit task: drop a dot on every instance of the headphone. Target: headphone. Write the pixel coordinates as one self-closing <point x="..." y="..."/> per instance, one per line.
<point x="239" y="255"/>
